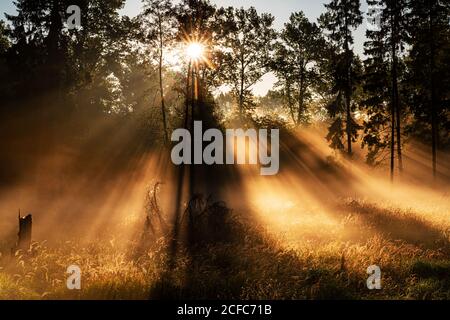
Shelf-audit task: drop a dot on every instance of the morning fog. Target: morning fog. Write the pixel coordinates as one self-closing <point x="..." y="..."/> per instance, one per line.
<point x="242" y="147"/>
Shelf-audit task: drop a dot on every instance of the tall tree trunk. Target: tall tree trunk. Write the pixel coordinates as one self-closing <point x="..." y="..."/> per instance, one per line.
<point x="434" y="118"/>
<point x="396" y="96"/>
<point x="393" y="97"/>
<point x="301" y="96"/>
<point x="161" y="86"/>
<point x="348" y="89"/>
<point x="55" y="52"/>
<point x="194" y="76"/>
<point x="392" y="138"/>
<point x="396" y="103"/>
<point x="241" y="92"/>
<point x="188" y="99"/>
<point x="290" y="104"/>
<point x="193" y="97"/>
<point x="434" y="132"/>
<point x="55" y="104"/>
<point x="348" y="100"/>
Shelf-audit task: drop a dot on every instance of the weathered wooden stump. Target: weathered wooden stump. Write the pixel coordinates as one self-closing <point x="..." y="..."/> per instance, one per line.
<point x="25" y="228"/>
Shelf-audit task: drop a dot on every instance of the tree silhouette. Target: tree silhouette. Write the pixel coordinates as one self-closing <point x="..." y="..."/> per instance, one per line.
<point x="159" y="28"/>
<point x="341" y="18"/>
<point x="295" y="62"/>
<point x="249" y="38"/>
<point x="429" y="71"/>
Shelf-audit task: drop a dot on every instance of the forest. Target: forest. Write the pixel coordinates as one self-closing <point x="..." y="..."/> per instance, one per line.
<point x="90" y="102"/>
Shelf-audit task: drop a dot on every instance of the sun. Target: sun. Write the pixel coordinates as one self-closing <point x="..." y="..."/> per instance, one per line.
<point x="195" y="51"/>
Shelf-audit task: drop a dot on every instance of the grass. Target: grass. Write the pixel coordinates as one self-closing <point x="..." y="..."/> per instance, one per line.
<point x="254" y="261"/>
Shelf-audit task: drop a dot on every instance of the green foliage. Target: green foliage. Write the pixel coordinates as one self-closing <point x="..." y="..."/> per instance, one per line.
<point x="432" y="282"/>
<point x="71" y="80"/>
<point x="341" y="18"/>
<point x="295" y="63"/>
<point x="4" y="41"/>
<point x="248" y="37"/>
<point x="383" y="77"/>
<point x="342" y="125"/>
<point x="428" y="79"/>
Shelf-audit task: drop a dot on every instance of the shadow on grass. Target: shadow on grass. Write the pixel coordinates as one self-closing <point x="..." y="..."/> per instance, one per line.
<point x="397" y="225"/>
<point x="433" y="281"/>
<point x="226" y="257"/>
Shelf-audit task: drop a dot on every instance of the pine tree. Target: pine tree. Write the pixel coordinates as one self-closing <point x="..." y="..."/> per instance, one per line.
<point x="383" y="77"/>
<point x="4" y="70"/>
<point x="334" y="74"/>
<point x="394" y="26"/>
<point x="429" y="65"/>
<point x="4" y="41"/>
<point x="341" y="18"/>
<point x="37" y="45"/>
<point x="378" y="125"/>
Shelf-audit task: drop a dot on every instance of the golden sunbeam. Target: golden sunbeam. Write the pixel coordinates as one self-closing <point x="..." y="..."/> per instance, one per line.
<point x="195" y="51"/>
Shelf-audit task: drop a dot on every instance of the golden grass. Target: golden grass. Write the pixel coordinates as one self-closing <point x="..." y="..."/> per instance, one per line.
<point x="320" y="257"/>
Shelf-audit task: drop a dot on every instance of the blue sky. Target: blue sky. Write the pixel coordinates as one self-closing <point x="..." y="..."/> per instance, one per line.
<point x="281" y="9"/>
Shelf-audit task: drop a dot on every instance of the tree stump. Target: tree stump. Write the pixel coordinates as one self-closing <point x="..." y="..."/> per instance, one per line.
<point x="25" y="227"/>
